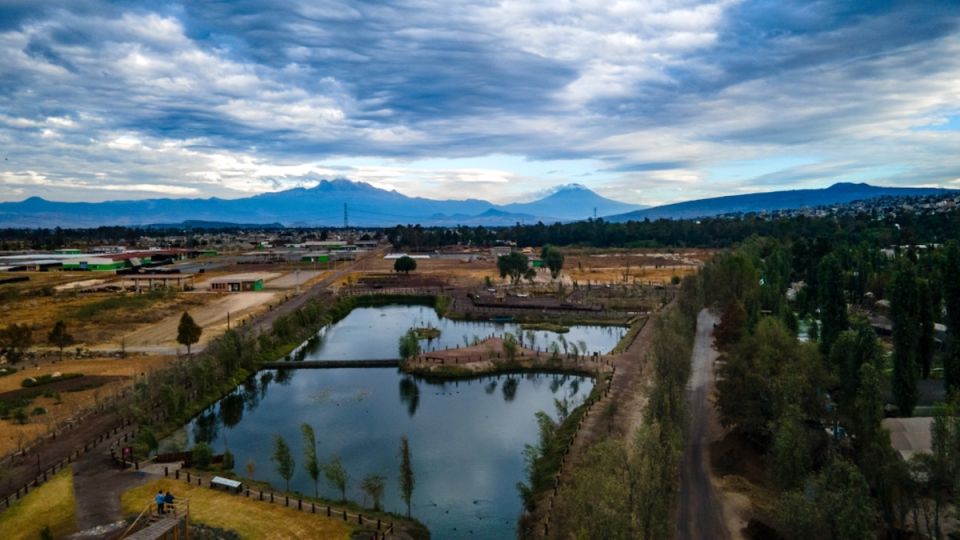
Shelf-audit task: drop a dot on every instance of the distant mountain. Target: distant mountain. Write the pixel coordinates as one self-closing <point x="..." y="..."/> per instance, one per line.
<point x="840" y="193"/>
<point x="322" y="205"/>
<point x="195" y="224"/>
<point x="570" y="203"/>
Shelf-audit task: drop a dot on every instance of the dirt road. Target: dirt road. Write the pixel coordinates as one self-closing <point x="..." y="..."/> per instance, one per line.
<point x="699" y="514"/>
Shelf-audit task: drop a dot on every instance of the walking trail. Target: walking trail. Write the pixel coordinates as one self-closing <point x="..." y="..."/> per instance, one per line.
<point x="699" y="513"/>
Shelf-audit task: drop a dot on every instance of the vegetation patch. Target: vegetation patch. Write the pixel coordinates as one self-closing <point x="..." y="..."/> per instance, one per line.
<point x="31" y="382"/>
<point x="427" y="332"/>
<point x="546" y="327"/>
<point x="131" y="302"/>
<point x="50" y="506"/>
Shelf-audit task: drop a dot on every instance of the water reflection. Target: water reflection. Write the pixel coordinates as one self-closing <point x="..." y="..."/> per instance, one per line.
<point x="466" y="436"/>
<point x="374" y="332"/>
<point x="410" y="394"/>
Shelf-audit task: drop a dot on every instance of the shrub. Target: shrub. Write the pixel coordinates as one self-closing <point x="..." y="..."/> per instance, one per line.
<point x="202" y="456"/>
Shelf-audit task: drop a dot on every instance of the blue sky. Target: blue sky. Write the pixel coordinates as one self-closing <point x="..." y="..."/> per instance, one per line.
<point x="645" y="101"/>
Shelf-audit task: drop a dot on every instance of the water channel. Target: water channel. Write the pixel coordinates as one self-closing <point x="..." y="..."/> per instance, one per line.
<point x="466" y="437"/>
<point x="373" y="333"/>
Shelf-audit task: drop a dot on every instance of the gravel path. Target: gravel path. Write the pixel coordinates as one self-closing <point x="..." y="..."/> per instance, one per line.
<point x="699" y="514"/>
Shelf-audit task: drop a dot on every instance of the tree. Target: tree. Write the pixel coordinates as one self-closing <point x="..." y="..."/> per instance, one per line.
<point x="15" y="340"/>
<point x="852" y="349"/>
<point x="407" y="480"/>
<point x="59" y="338"/>
<point x="405" y="264"/>
<point x="202" y="455"/>
<point x="733" y="325"/>
<point x="832" y="301"/>
<point x="337" y="476"/>
<point x="925" y="316"/>
<point x="409" y="345"/>
<point x="553" y="258"/>
<point x="283" y="460"/>
<point x="834" y="504"/>
<point x="951" y="298"/>
<point x="188" y="332"/>
<point x="904" y="312"/>
<point x="510" y="346"/>
<point x="372" y="485"/>
<point x="514" y="265"/>
<point x="310" y="462"/>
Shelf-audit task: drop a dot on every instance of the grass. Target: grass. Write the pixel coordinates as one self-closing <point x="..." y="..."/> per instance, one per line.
<point x="117" y="302"/>
<point x="48" y="378"/>
<point x="247" y="517"/>
<point x="50" y="505"/>
<point x="427" y="332"/>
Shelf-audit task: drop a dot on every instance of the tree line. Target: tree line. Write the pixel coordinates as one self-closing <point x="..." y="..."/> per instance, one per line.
<point x="813" y="407"/>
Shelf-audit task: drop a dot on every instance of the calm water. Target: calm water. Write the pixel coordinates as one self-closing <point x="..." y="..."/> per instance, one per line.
<point x="466" y="438"/>
<point x="374" y="333"/>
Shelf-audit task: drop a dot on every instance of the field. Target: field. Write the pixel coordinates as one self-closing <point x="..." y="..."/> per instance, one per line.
<point x="50" y="505"/>
<point x="582" y="266"/>
<point x="61" y="404"/>
<point x="249" y="518"/>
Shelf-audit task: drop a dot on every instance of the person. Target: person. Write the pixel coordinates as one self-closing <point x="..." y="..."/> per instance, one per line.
<point x="160" y="500"/>
<point x="168" y="500"/>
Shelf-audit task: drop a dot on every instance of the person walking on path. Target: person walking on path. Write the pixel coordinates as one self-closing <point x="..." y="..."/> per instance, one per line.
<point x="168" y="500"/>
<point x="160" y="499"/>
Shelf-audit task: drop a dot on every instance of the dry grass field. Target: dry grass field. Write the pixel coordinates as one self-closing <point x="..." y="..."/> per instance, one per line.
<point x="249" y="518"/>
<point x="114" y="374"/>
<point x="50" y="505"/>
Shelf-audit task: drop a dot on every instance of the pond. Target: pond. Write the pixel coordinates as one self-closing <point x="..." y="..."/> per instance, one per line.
<point x="466" y="437"/>
<point x="374" y="333"/>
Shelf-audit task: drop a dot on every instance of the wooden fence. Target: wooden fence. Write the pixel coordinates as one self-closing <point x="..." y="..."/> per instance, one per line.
<point x="269" y="497"/>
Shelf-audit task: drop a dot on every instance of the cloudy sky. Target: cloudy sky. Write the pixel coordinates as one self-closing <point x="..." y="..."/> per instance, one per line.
<point x="646" y="101"/>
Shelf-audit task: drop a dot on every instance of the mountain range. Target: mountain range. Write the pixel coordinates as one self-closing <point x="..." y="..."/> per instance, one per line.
<point x="322" y="205"/>
<point x="839" y="193"/>
<point x="369" y="206"/>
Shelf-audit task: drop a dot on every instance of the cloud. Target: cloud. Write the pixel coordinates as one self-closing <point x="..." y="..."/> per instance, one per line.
<point x="669" y="99"/>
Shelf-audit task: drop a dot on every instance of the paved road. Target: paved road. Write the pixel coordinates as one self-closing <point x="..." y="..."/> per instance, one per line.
<point x="699" y="514"/>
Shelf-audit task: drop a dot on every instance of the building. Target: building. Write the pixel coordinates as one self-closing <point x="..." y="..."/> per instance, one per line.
<point x="237" y="283"/>
<point x="96" y="264"/>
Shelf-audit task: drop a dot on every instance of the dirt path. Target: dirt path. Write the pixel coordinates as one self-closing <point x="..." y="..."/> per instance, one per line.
<point x="626" y="396"/>
<point x="212" y="317"/>
<point x="699" y="513"/>
<point x="97" y="486"/>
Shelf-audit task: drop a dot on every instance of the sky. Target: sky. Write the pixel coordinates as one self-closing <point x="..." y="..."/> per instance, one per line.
<point x="643" y="101"/>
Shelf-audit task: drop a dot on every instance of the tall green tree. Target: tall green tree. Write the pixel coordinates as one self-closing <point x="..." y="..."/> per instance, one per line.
<point x="514" y="265"/>
<point x="852" y="349"/>
<point x="732" y="326"/>
<point x="283" y="460"/>
<point x="832" y="301"/>
<point x="925" y="316"/>
<point x="951" y="298"/>
<point x="409" y="346"/>
<point x="59" y="338"/>
<point x="904" y="313"/>
<point x="337" y="476"/>
<point x="407" y="479"/>
<point x="553" y="258"/>
<point x="188" y="331"/>
<point x="310" y="462"/>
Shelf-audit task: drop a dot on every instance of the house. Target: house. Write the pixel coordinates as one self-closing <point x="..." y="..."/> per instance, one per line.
<point x="237" y="283"/>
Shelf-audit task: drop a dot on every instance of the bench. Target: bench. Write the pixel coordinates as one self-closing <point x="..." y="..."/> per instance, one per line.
<point x="226" y="483"/>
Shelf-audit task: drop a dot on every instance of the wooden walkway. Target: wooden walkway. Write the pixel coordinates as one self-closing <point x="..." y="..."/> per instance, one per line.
<point x="330" y="364"/>
<point x="163" y="528"/>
